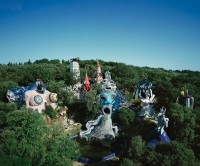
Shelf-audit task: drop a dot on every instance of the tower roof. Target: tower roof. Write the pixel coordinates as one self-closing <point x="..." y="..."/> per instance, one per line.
<point x="86" y="84"/>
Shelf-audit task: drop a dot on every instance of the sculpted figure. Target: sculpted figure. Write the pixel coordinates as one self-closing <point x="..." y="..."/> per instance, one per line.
<point x="34" y="96"/>
<point x="159" y="134"/>
<point x="100" y="128"/>
<point x="146" y="97"/>
<point x="146" y="105"/>
<point x="16" y="95"/>
<point x="185" y="98"/>
<point x="108" y="84"/>
<point x="38" y="99"/>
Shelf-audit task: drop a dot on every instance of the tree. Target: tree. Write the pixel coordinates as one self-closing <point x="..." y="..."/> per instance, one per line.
<point x="50" y="112"/>
<point x="44" y="60"/>
<point x="173" y="153"/>
<point x="24" y="136"/>
<point x="196" y="142"/>
<point x="4" y="87"/>
<point x="58" y="87"/>
<point x="182" y="154"/>
<point x="13" y="160"/>
<point x="164" y="92"/>
<point x="87" y="109"/>
<point x="124" y="117"/>
<point x="136" y="148"/>
<point x="60" y="149"/>
<point x="182" y="123"/>
<point x="55" y="61"/>
<point x="70" y="80"/>
<point x="96" y="87"/>
<point x="44" y="71"/>
<point x="28" y="62"/>
<point x="5" y="108"/>
<point x="28" y="137"/>
<point x="128" y="162"/>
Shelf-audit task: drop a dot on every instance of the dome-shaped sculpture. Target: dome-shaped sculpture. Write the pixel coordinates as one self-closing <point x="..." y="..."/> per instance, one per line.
<point x="34" y="96"/>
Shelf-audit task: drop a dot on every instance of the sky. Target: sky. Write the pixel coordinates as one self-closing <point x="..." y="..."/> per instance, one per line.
<point x="154" y="33"/>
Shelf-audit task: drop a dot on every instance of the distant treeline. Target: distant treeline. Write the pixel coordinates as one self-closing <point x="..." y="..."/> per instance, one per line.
<point x="166" y="83"/>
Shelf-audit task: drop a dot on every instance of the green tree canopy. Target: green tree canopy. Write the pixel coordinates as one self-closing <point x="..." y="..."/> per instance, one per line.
<point x="4" y="87"/>
<point x="124" y="117"/>
<point x="182" y="123"/>
<point x="27" y="136"/>
<point x="136" y="148"/>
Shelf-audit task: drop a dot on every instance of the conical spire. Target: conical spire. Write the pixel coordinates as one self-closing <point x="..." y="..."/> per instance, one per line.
<point x="86" y="84"/>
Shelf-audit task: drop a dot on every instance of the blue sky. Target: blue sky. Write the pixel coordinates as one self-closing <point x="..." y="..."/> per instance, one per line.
<point x="154" y="33"/>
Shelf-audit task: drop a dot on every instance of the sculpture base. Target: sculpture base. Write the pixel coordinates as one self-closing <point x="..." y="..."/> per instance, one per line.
<point x="156" y="138"/>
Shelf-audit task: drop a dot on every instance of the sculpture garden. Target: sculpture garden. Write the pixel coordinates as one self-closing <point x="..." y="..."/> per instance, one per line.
<point x="96" y="112"/>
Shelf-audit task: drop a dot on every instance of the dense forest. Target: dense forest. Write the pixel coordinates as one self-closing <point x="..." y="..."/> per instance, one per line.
<point x="26" y="139"/>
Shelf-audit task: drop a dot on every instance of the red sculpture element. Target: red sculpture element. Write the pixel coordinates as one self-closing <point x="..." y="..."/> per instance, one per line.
<point x="86" y="84"/>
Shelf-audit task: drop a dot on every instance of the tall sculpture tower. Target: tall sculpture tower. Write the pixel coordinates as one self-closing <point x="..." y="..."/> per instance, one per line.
<point x="74" y="68"/>
<point x="97" y="76"/>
